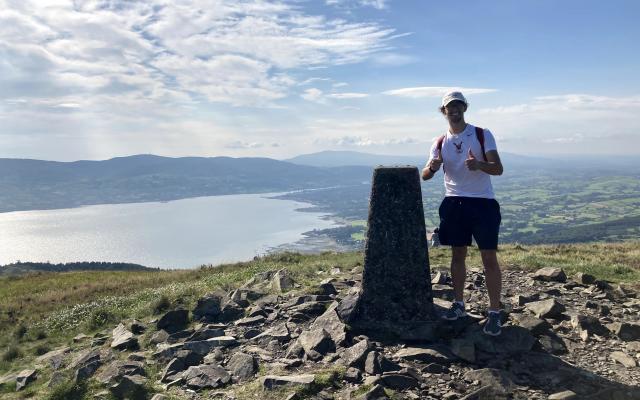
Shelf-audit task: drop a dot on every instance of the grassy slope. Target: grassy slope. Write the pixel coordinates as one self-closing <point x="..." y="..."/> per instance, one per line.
<point x="64" y="304"/>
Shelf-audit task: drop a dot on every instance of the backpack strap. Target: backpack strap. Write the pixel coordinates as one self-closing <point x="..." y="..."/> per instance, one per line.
<point x="439" y="148"/>
<point x="480" y="136"/>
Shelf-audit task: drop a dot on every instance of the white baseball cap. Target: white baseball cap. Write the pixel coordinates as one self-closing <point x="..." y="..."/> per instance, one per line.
<point x="453" y="96"/>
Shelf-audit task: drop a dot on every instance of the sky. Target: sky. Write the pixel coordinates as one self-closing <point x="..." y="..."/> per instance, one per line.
<point x="262" y="78"/>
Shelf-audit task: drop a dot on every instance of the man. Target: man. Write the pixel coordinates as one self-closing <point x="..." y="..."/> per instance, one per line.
<point x="469" y="208"/>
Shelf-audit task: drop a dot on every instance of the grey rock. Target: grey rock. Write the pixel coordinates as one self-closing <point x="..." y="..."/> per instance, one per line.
<point x="486" y="392"/>
<point x="564" y="395"/>
<point x="174" y="320"/>
<point x="500" y="381"/>
<point x="623" y="359"/>
<point x="317" y="340"/>
<point x="208" y="307"/>
<point x="206" y="332"/>
<point x="206" y="377"/>
<point x="279" y="332"/>
<point x="326" y="288"/>
<point x="521" y="300"/>
<point x="173" y="370"/>
<point x="584" y="279"/>
<point x="589" y="324"/>
<point x="281" y="281"/>
<point x="242" y="366"/>
<point x="54" y="358"/>
<point x="159" y="396"/>
<point x="24" y="378"/>
<point x="230" y="311"/>
<point x="258" y="319"/>
<point x="56" y="378"/>
<point x="129" y="386"/>
<point x="205" y="346"/>
<point x="353" y="375"/>
<point x="552" y="343"/>
<point x="536" y="326"/>
<point x="550" y="274"/>
<point x="123" y="339"/>
<point x="425" y="355"/>
<point x="625" y="331"/>
<point x="137" y="327"/>
<point x="465" y="349"/>
<point x="399" y="381"/>
<point x="356" y="355"/>
<point x="375" y="393"/>
<point x="270" y="382"/>
<point x="330" y="321"/>
<point x="512" y="340"/>
<point x="160" y="336"/>
<point x="440" y="278"/>
<point x="549" y="308"/>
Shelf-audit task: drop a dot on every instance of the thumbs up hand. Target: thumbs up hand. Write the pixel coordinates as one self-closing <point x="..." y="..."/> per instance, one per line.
<point x="471" y="162"/>
<point x="435" y="163"/>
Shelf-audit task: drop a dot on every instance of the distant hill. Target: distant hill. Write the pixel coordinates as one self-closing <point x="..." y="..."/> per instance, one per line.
<point x="21" y="268"/>
<point x="35" y="184"/>
<point x="355" y="158"/>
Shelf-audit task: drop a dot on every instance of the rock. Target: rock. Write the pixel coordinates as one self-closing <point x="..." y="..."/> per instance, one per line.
<point x="317" y="340"/>
<point x="500" y="381"/>
<point x="355" y="355"/>
<point x="54" y="358"/>
<point x="230" y="311"/>
<point x="440" y="278"/>
<point x="131" y="387"/>
<point x="512" y="340"/>
<point x="552" y="343"/>
<point x="24" y="378"/>
<point x="375" y="393"/>
<point x="589" y="324"/>
<point x="81" y="337"/>
<point x="521" y="300"/>
<point x="208" y="308"/>
<point x="160" y="336"/>
<point x="137" y="327"/>
<point x="550" y="274"/>
<point x="399" y="381"/>
<point x="584" y="279"/>
<point x="623" y="359"/>
<point x="486" y="393"/>
<point x="174" y="320"/>
<point x="270" y="382"/>
<point x="279" y="332"/>
<point x="159" y="396"/>
<point x="86" y="364"/>
<point x="123" y="339"/>
<point x="353" y="375"/>
<point x="424" y="355"/>
<point x="281" y="281"/>
<point x="465" y="349"/>
<point x="203" y="347"/>
<point x="330" y="321"/>
<point x="250" y="321"/>
<point x="206" y="332"/>
<point x="625" y="331"/>
<point x="242" y="366"/>
<point x="173" y="370"/>
<point x="549" y="308"/>
<point x="327" y="288"/>
<point x="536" y="326"/>
<point x="206" y="377"/>
<point x="565" y="395"/>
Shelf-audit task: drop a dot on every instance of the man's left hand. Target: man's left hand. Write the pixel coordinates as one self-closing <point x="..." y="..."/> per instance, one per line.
<point x="471" y="162"/>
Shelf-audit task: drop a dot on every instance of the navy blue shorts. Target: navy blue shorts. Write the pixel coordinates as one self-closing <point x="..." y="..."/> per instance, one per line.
<point x="462" y="218"/>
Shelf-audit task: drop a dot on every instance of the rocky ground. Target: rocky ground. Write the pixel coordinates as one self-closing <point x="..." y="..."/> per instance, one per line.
<point x="563" y="338"/>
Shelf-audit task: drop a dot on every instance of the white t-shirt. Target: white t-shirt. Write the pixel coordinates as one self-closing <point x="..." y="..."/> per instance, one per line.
<point x="458" y="180"/>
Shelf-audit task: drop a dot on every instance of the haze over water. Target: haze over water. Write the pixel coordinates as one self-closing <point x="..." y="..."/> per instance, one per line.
<point x="178" y="234"/>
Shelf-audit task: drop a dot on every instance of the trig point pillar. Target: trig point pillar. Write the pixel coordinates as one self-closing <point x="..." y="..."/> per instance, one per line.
<point x="396" y="281"/>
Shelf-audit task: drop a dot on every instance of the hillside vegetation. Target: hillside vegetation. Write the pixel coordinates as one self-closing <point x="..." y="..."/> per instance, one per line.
<point x="41" y="311"/>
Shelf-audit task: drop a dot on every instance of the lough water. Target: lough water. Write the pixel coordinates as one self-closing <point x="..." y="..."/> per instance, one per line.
<point x="177" y="234"/>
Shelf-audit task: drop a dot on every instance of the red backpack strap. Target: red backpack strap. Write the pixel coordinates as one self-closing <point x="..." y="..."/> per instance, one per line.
<point x="439" y="147"/>
<point x="480" y="136"/>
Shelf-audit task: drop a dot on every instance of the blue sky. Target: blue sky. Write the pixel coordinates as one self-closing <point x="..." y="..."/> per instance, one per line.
<point x="99" y="79"/>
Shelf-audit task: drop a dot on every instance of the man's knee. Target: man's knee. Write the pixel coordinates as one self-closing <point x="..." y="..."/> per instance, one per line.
<point x="458" y="254"/>
<point x="489" y="259"/>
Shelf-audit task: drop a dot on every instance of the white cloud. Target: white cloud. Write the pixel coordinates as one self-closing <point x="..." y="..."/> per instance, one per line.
<point x="342" y="96"/>
<point x="378" y="4"/>
<point x="313" y="94"/>
<point x="433" y="91"/>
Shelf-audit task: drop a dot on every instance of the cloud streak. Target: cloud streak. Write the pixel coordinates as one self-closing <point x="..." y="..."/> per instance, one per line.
<point x="433" y="91"/>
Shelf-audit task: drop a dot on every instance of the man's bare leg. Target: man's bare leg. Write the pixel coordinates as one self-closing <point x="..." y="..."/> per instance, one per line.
<point x="458" y="271"/>
<point x="493" y="276"/>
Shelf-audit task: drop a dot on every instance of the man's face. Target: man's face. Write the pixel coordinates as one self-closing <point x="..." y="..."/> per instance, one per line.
<point x="454" y="111"/>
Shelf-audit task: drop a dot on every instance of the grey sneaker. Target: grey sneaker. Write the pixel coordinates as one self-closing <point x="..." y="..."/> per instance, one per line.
<point x="454" y="312"/>
<point x="492" y="326"/>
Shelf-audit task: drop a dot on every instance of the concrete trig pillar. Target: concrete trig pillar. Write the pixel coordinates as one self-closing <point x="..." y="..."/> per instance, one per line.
<point x="396" y="281"/>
